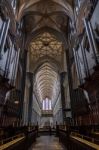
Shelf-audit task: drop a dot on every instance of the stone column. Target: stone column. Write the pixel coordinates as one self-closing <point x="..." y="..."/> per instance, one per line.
<point x="70" y="81"/>
<point x="23" y="81"/>
<point x="62" y="77"/>
<point x="30" y="75"/>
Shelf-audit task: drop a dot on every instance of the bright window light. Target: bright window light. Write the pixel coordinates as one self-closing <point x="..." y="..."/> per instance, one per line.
<point x="47" y="104"/>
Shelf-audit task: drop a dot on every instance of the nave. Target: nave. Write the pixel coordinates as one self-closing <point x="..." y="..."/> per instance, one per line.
<point x="47" y="143"/>
<point x="49" y="74"/>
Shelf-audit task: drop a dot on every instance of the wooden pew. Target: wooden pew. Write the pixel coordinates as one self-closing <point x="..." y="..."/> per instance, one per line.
<point x="85" y="142"/>
<point x="20" y="141"/>
<point x="11" y="143"/>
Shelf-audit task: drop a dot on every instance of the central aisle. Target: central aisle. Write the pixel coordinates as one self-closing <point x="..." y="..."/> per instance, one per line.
<point x="47" y="143"/>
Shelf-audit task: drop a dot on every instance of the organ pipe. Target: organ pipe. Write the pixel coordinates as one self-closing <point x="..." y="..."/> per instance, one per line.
<point x="90" y="38"/>
<point x="85" y="61"/>
<point x="94" y="43"/>
<point x="77" y="66"/>
<point x="8" y="60"/>
<point x="4" y="34"/>
<point x="16" y="67"/>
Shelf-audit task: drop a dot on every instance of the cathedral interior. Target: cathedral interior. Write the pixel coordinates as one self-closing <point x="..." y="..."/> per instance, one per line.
<point x="49" y="74"/>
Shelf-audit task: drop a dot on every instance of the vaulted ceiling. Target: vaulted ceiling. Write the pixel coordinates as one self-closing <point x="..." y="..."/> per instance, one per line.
<point x="47" y="83"/>
<point x="46" y="50"/>
<point x="45" y="21"/>
<point x="41" y="7"/>
<point x="45" y="46"/>
<point x="44" y="13"/>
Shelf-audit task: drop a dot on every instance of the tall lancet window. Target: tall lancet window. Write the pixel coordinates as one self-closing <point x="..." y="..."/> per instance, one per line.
<point x="47" y="104"/>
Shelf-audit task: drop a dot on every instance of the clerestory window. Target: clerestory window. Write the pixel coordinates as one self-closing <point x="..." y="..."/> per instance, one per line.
<point x="47" y="104"/>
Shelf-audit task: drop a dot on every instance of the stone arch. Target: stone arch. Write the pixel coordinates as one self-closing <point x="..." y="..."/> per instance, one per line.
<point x="51" y="61"/>
<point x="24" y="8"/>
<point x="40" y="79"/>
<point x="59" y="36"/>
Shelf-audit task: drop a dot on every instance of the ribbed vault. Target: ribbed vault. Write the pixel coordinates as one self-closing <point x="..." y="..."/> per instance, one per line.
<point x="47" y="45"/>
<point x="39" y="14"/>
<point x="47" y="82"/>
<point x="41" y="7"/>
<point x="48" y="48"/>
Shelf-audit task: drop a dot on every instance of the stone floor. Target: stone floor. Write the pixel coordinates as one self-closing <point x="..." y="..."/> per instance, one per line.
<point x="47" y="143"/>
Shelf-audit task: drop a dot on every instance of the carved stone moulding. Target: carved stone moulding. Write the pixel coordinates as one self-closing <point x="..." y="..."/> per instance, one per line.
<point x="91" y="85"/>
<point x="83" y="13"/>
<point x="4" y="88"/>
<point x="11" y="109"/>
<point x="92" y="82"/>
<point x="7" y="11"/>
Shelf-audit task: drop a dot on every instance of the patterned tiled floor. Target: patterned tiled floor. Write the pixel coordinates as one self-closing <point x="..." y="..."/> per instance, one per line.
<point x="47" y="143"/>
